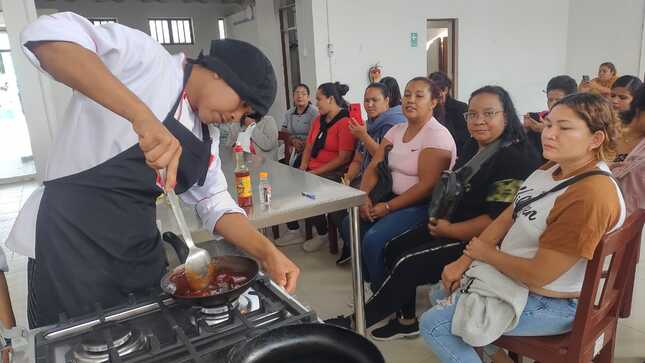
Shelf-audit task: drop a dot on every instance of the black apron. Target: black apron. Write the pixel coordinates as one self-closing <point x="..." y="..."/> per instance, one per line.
<point x="96" y="235"/>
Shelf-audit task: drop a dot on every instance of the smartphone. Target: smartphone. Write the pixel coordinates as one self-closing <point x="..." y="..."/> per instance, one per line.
<point x="535" y="116"/>
<point x="585" y="78"/>
<point x="355" y="112"/>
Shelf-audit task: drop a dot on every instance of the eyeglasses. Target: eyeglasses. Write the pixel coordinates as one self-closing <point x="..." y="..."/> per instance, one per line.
<point x="487" y="115"/>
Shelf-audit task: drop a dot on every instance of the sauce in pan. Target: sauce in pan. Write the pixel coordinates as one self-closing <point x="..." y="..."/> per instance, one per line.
<point x="221" y="281"/>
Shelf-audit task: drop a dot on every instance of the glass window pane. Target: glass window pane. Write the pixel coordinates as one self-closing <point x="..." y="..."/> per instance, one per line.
<point x="187" y="31"/>
<point x="159" y="30"/>
<point x="291" y="17"/>
<point x="153" y="30"/>
<point x="222" y="30"/>
<point x="166" y="32"/>
<point x="173" y="27"/>
<point x="180" y="30"/>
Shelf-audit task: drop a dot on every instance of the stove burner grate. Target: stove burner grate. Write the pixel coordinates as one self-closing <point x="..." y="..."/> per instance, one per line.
<point x="94" y="349"/>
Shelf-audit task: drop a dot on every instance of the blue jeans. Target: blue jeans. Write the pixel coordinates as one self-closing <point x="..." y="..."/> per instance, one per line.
<point x="375" y="235"/>
<point x="542" y="316"/>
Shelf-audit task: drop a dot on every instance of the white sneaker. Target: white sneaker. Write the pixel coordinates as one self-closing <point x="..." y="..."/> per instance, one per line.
<point x="315" y="243"/>
<point x="289" y="238"/>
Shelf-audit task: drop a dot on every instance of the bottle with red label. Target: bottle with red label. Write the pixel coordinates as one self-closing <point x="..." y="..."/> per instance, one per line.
<point x="242" y="179"/>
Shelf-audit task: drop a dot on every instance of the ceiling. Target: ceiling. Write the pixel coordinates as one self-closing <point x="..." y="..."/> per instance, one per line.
<point x="223" y="2"/>
<point x="226" y="7"/>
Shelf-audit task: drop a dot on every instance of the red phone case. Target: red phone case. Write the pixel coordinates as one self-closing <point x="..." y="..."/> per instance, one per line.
<point x="355" y="112"/>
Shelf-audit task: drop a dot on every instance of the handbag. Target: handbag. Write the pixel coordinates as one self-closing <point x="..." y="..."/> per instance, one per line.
<point x="382" y="191"/>
<point x="453" y="184"/>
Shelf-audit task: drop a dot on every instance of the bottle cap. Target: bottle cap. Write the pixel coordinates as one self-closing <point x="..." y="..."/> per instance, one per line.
<point x="264" y="174"/>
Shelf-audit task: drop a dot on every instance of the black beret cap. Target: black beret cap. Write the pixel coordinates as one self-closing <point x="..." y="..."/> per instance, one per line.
<point x="245" y="69"/>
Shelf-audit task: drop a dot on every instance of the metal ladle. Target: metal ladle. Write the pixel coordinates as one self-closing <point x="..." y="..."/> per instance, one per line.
<point x="197" y="265"/>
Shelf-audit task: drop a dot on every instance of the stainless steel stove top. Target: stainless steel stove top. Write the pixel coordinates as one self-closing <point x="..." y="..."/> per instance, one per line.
<point x="161" y="329"/>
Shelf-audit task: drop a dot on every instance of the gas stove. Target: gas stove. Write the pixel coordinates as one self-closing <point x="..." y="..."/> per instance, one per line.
<point x="162" y="329"/>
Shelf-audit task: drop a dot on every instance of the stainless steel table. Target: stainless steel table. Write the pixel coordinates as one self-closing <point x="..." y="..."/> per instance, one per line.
<point x="288" y="204"/>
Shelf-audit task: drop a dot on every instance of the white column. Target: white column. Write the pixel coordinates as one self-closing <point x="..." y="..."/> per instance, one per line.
<point x="306" y="43"/>
<point x="35" y="92"/>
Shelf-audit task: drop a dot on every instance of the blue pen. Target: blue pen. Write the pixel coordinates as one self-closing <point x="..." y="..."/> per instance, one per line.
<point x="308" y="195"/>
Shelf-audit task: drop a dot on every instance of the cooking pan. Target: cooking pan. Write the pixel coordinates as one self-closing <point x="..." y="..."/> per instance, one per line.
<point x="232" y="265"/>
<point x="306" y="343"/>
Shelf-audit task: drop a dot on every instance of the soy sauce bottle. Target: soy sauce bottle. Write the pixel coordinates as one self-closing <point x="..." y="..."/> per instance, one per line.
<point x="242" y="179"/>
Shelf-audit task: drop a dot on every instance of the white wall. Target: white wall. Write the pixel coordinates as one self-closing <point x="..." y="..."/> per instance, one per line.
<point x="135" y="14"/>
<point x="264" y="33"/>
<point x="600" y="31"/>
<point x="495" y="45"/>
<point x="35" y="93"/>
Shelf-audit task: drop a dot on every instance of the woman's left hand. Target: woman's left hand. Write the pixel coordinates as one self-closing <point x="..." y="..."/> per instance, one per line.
<point x="479" y="250"/>
<point x="440" y="228"/>
<point x="379" y="211"/>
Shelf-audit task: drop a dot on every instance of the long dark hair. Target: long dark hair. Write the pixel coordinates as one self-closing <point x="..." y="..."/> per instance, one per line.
<point x="631" y="83"/>
<point x="380" y="86"/>
<point x="335" y="90"/>
<point x="442" y="80"/>
<point x="513" y="131"/>
<point x="637" y="105"/>
<point x="433" y="88"/>
<point x="394" y="92"/>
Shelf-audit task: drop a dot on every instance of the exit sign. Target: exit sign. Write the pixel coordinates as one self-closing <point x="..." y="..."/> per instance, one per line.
<point x="414" y="40"/>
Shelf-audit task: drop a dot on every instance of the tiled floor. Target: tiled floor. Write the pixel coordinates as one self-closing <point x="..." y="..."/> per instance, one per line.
<point x="325" y="287"/>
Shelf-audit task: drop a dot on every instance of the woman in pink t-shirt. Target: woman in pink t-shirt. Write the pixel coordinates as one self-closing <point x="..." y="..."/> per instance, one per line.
<point x="422" y="149"/>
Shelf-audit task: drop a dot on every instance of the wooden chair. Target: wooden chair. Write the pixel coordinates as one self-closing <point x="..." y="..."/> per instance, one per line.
<point x="594" y="329"/>
<point x="332" y="234"/>
<point x="285" y="137"/>
<point x="626" y="304"/>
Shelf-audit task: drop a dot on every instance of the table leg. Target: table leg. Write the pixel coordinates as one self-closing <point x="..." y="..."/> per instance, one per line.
<point x="357" y="273"/>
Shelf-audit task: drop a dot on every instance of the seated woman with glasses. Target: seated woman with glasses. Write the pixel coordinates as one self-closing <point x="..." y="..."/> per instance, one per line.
<point x="417" y="256"/>
<point x="545" y="243"/>
<point x="297" y="122"/>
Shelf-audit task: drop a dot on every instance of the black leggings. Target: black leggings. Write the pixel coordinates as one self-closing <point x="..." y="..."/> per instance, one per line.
<point x="412" y="259"/>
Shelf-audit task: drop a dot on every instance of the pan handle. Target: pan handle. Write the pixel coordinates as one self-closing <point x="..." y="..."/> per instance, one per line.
<point x="178" y="244"/>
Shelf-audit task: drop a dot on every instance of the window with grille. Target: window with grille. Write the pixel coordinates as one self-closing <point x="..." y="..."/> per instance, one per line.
<point x="101" y="21"/>
<point x="171" y="30"/>
<point x="222" y="28"/>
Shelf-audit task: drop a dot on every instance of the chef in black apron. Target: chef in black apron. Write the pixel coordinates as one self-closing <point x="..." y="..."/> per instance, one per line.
<point x="96" y="240"/>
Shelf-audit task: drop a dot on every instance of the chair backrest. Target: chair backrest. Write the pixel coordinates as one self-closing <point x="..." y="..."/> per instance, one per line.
<point x="285" y="137"/>
<point x="595" y="311"/>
